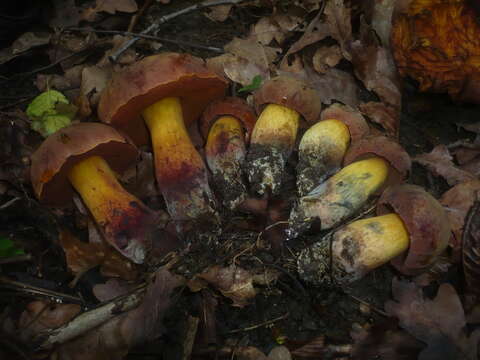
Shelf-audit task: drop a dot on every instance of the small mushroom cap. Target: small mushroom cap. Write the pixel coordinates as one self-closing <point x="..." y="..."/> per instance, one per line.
<point x="64" y="148"/>
<point x="291" y="93"/>
<point x="381" y="146"/>
<point x="230" y="106"/>
<point x="353" y="119"/>
<point x="151" y="79"/>
<point x="426" y="222"/>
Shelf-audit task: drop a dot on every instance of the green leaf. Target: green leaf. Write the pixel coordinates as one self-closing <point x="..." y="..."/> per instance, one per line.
<point x="254" y="85"/>
<point x="8" y="248"/>
<point x="50" y="111"/>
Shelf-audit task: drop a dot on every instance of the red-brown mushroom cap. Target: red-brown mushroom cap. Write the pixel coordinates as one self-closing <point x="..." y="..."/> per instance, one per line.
<point x="381" y="146"/>
<point x="151" y="79"/>
<point x="69" y="145"/>
<point x="426" y="222"/>
<point x="230" y="106"/>
<point x="291" y="93"/>
<point x="353" y="119"/>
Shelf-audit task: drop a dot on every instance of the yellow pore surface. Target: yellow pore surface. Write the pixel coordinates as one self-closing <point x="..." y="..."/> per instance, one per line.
<point x="380" y="238"/>
<point x="362" y="177"/>
<point x="277" y="125"/>
<point x="223" y="131"/>
<point x="99" y="188"/>
<point x="330" y="133"/>
<point x="172" y="146"/>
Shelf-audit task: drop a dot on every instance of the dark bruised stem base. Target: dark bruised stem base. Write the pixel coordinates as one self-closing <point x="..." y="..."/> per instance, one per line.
<point x="125" y="222"/>
<point x="272" y="142"/>
<point x="179" y="168"/>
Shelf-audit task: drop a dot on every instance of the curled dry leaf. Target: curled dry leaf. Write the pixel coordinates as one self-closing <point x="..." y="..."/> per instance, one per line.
<point x="440" y="163"/>
<point x="384" y="115"/>
<point x="24" y="43"/>
<point x="237" y="69"/>
<point x="82" y="256"/>
<point x="233" y="282"/>
<point x="252" y="50"/>
<point x="219" y="13"/>
<point x="110" y="7"/>
<point x="326" y="57"/>
<point x="471" y="250"/>
<point x="94" y="80"/>
<point x="457" y="201"/>
<point x="45" y="82"/>
<point x="382" y="19"/>
<point x="440" y="323"/>
<point x="374" y="66"/>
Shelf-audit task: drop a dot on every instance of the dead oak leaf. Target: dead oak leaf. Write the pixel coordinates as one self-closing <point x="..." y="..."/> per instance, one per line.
<point x="252" y="50"/>
<point x="237" y="69"/>
<point x="440" y="163"/>
<point x="112" y="6"/>
<point x="456" y="202"/>
<point x="219" y="13"/>
<point x="439" y="323"/>
<point x="233" y="282"/>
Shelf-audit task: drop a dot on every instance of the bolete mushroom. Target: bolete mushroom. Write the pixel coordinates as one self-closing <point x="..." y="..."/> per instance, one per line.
<point x="372" y="163"/>
<point x="280" y="102"/>
<point x="85" y="157"/>
<point x="411" y="230"/>
<point x="227" y="125"/>
<point x="323" y="146"/>
<point x="169" y="91"/>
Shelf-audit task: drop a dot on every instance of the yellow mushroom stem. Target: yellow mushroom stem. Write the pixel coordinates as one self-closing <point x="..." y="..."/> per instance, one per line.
<point x="321" y="153"/>
<point x="179" y="168"/>
<point x="225" y="154"/>
<point x="340" y="197"/>
<point x="272" y="141"/>
<point x="366" y="244"/>
<point x="122" y="218"/>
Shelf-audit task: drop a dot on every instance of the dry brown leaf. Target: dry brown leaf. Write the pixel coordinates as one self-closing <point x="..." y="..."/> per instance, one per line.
<point x="111" y="289"/>
<point x="457" y="201"/>
<point x="249" y="353"/>
<point x="29" y="40"/>
<point x="382" y="19"/>
<point x="335" y="85"/>
<point x="128" y="57"/>
<point x="233" y="282"/>
<point x="47" y="315"/>
<point x="471" y="252"/>
<point x="439" y="162"/>
<point x="382" y="114"/>
<point x="237" y="69"/>
<point x="46" y="82"/>
<point x="66" y="14"/>
<point x="440" y="323"/>
<point x="112" y="6"/>
<point x="252" y="50"/>
<point x="326" y="57"/>
<point x="374" y="66"/>
<point x="82" y="256"/>
<point x="265" y="30"/>
<point x="219" y="13"/>
<point x="279" y="353"/>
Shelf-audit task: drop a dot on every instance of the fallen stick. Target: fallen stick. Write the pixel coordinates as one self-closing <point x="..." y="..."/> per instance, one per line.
<point x="163" y="19"/>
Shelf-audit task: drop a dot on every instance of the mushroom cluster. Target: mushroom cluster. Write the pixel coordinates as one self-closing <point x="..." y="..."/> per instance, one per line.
<point x="242" y="166"/>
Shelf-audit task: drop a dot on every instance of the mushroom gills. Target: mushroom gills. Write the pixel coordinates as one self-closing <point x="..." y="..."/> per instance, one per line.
<point x="180" y="171"/>
<point x="339" y="197"/>
<point x="225" y="154"/>
<point x="356" y="249"/>
<point x="272" y="141"/>
<point x="321" y="153"/>
<point x="122" y="218"/>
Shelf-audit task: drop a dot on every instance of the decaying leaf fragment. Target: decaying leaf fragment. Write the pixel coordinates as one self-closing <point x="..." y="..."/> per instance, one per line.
<point x="437" y="44"/>
<point x="439" y="323"/>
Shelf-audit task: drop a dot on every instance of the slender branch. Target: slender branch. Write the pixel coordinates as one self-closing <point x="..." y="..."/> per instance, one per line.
<point x="90" y="319"/>
<point x="145" y="36"/>
<point x="163" y="19"/>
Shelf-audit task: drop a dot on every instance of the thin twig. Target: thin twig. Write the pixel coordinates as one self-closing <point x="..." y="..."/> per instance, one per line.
<point x="15" y="259"/>
<point x="138" y="15"/>
<point x="6" y="282"/>
<point x="163" y="19"/>
<point x="10" y="202"/>
<point x="253" y="327"/>
<point x="145" y="36"/>
<point x="375" y="309"/>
